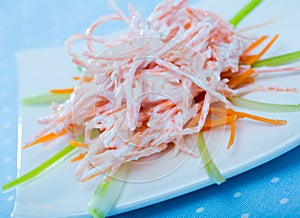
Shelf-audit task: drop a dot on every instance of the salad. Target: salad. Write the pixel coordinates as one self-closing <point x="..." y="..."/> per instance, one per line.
<point x="180" y="72"/>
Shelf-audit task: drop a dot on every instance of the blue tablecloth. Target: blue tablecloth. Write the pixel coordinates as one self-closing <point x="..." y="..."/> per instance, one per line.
<point x="271" y="190"/>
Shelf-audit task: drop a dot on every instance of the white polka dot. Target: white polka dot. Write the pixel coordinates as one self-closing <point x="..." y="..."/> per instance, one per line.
<point x="6" y="125"/>
<point x="245" y="215"/>
<point x="7" y="159"/>
<point x="237" y="194"/>
<point x="10" y="198"/>
<point x="283" y="200"/>
<point x="8" y="178"/>
<point x="7" y="142"/>
<point x="199" y="210"/>
<point x="274" y="180"/>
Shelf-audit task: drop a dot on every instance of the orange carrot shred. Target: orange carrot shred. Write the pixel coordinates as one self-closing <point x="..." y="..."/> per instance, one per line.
<point x="255" y="44"/>
<point x="91" y="177"/>
<point x="217" y="110"/>
<point x="232" y="134"/>
<point x="62" y="91"/>
<point x="257" y="57"/>
<point x="219" y="122"/>
<point x="76" y="78"/>
<point x="246" y="81"/>
<point x="87" y="79"/>
<point x="240" y="78"/>
<point x="258" y="118"/>
<point x="45" y="138"/>
<point x="78" y="158"/>
<point x="78" y="144"/>
<point x="245" y="59"/>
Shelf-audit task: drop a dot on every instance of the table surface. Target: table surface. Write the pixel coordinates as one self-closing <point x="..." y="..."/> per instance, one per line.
<point x="272" y="189"/>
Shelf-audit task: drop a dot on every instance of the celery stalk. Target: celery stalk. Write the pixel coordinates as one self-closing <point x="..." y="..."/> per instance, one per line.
<point x="45" y="99"/>
<point x="41" y="168"/>
<point x="209" y="165"/>
<point x="244" y="12"/>
<point x="107" y="193"/>
<point x="266" y="107"/>
<point x="277" y="60"/>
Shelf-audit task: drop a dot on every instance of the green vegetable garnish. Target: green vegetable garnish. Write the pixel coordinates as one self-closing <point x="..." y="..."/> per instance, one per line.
<point x="244" y="12"/>
<point x="277" y="60"/>
<point x="45" y="99"/>
<point x="209" y="165"/>
<point x="107" y="193"/>
<point x="61" y="155"/>
<point x="260" y="106"/>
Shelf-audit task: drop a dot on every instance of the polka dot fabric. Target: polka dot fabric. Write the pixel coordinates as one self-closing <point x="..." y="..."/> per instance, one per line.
<point x="271" y="190"/>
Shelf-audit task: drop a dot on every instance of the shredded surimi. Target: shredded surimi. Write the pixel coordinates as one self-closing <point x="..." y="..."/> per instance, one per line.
<point x="142" y="92"/>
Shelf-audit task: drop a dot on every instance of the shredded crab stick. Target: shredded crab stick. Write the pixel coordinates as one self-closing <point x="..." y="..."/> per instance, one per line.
<point x="115" y="91"/>
<point x="156" y="85"/>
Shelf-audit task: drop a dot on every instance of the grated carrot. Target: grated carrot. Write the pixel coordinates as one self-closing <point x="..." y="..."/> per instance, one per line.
<point x="92" y="176"/>
<point x="78" y="158"/>
<point x="45" y="138"/>
<point x="236" y="80"/>
<point x="255" y="44"/>
<point x="259" y="55"/>
<point x="78" y="144"/>
<point x="219" y="122"/>
<point x="246" y="81"/>
<point x="62" y="91"/>
<point x="76" y="78"/>
<point x="232" y="134"/>
<point x="87" y="79"/>
<point x="257" y="118"/>
<point x="217" y="110"/>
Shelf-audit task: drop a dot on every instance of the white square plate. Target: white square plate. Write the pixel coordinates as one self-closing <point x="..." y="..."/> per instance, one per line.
<point x="58" y="194"/>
